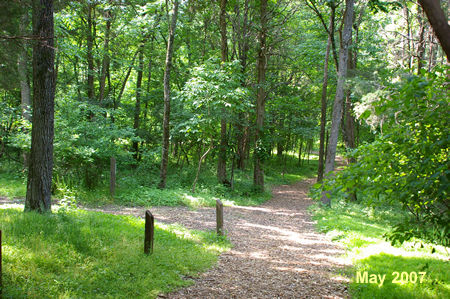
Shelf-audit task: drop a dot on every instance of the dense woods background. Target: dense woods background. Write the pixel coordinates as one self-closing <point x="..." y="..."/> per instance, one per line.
<point x="152" y="88"/>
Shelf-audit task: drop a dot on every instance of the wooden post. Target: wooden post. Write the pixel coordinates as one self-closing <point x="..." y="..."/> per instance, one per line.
<point x="149" y="232"/>
<point x="219" y="217"/>
<point x="112" y="177"/>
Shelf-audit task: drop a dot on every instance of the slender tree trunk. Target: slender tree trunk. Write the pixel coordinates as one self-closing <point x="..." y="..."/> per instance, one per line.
<point x="280" y="149"/>
<point x="323" y="100"/>
<point x="39" y="183"/>
<point x="243" y="47"/>
<point x="338" y="101"/>
<point x="106" y="59"/>
<point x="432" y="54"/>
<point x="421" y="43"/>
<point x="300" y="153"/>
<point x="439" y="22"/>
<point x="222" y="161"/>
<point x="258" y="172"/>
<point x="407" y="43"/>
<point x="200" y="160"/>
<point x="90" y="56"/>
<point x="25" y="93"/>
<point x="137" y="107"/>
<point x="166" y="120"/>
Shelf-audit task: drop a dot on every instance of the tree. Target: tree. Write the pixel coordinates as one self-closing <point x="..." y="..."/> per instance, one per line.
<point x="323" y="99"/>
<point x="41" y="158"/>
<point x="258" y="172"/>
<point x="222" y="161"/>
<point x="439" y="22"/>
<point x="339" y="98"/>
<point x="166" y="120"/>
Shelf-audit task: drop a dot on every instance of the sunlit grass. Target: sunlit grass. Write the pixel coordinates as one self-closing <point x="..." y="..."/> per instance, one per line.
<point x="360" y="229"/>
<point x="12" y="185"/>
<point x="79" y="254"/>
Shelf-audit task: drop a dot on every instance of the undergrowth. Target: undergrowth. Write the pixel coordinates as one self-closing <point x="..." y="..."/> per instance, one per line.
<point x="138" y="186"/>
<point x="360" y="229"/>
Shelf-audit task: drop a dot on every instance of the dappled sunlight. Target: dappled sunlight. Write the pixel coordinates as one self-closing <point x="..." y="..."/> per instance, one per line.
<point x="286" y="234"/>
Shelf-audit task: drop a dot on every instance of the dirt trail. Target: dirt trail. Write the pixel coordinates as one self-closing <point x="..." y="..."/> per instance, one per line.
<point x="276" y="251"/>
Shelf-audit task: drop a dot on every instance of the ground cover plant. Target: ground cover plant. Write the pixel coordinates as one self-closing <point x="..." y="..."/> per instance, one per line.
<point x="80" y="254"/>
<point x="137" y="187"/>
<point x="360" y="230"/>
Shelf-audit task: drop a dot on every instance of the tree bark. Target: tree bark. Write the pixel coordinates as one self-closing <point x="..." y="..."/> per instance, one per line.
<point x="137" y="107"/>
<point x="323" y="100"/>
<point x="243" y="47"/>
<point x="106" y="59"/>
<point x="421" y="43"/>
<point x="407" y="40"/>
<point x="222" y="160"/>
<point x="25" y="93"/>
<point x="200" y="160"/>
<point x="258" y="172"/>
<point x="39" y="183"/>
<point x="90" y="56"/>
<point x="339" y="98"/>
<point x="439" y="22"/>
<point x="166" y="120"/>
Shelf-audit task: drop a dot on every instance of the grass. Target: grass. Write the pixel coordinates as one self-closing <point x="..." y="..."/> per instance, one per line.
<point x="138" y="187"/>
<point x="80" y="254"/>
<point x="12" y="185"/>
<point x="360" y="229"/>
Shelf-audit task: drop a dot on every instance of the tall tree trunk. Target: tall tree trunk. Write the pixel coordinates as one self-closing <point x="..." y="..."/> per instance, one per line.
<point x="25" y="93"/>
<point x="166" y="121"/>
<point x="439" y="22"/>
<point x="222" y="161"/>
<point x="90" y="56"/>
<point x="106" y="59"/>
<point x="338" y="101"/>
<point x="39" y="183"/>
<point x="407" y="39"/>
<point x="421" y="43"/>
<point x="258" y="172"/>
<point x="349" y="119"/>
<point x="323" y="100"/>
<point x="137" y="107"/>
<point x="243" y="47"/>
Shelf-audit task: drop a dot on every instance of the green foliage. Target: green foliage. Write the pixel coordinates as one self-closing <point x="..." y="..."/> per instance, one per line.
<point x="85" y="137"/>
<point x="408" y="163"/>
<point x="76" y="254"/>
<point x="213" y="92"/>
<point x="360" y="228"/>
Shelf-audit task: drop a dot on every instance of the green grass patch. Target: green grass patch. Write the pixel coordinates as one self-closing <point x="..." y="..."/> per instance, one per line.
<point x="360" y="229"/>
<point x="80" y="254"/>
<point x="12" y="185"/>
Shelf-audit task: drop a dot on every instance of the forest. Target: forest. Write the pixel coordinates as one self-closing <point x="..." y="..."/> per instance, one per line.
<point x="321" y="125"/>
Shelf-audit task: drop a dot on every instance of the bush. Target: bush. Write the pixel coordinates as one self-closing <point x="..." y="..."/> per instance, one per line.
<point x="408" y="161"/>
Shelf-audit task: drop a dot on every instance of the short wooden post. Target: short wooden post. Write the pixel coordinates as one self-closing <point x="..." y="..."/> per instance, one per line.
<point x="219" y="217"/>
<point x="112" y="177"/>
<point x="149" y="232"/>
